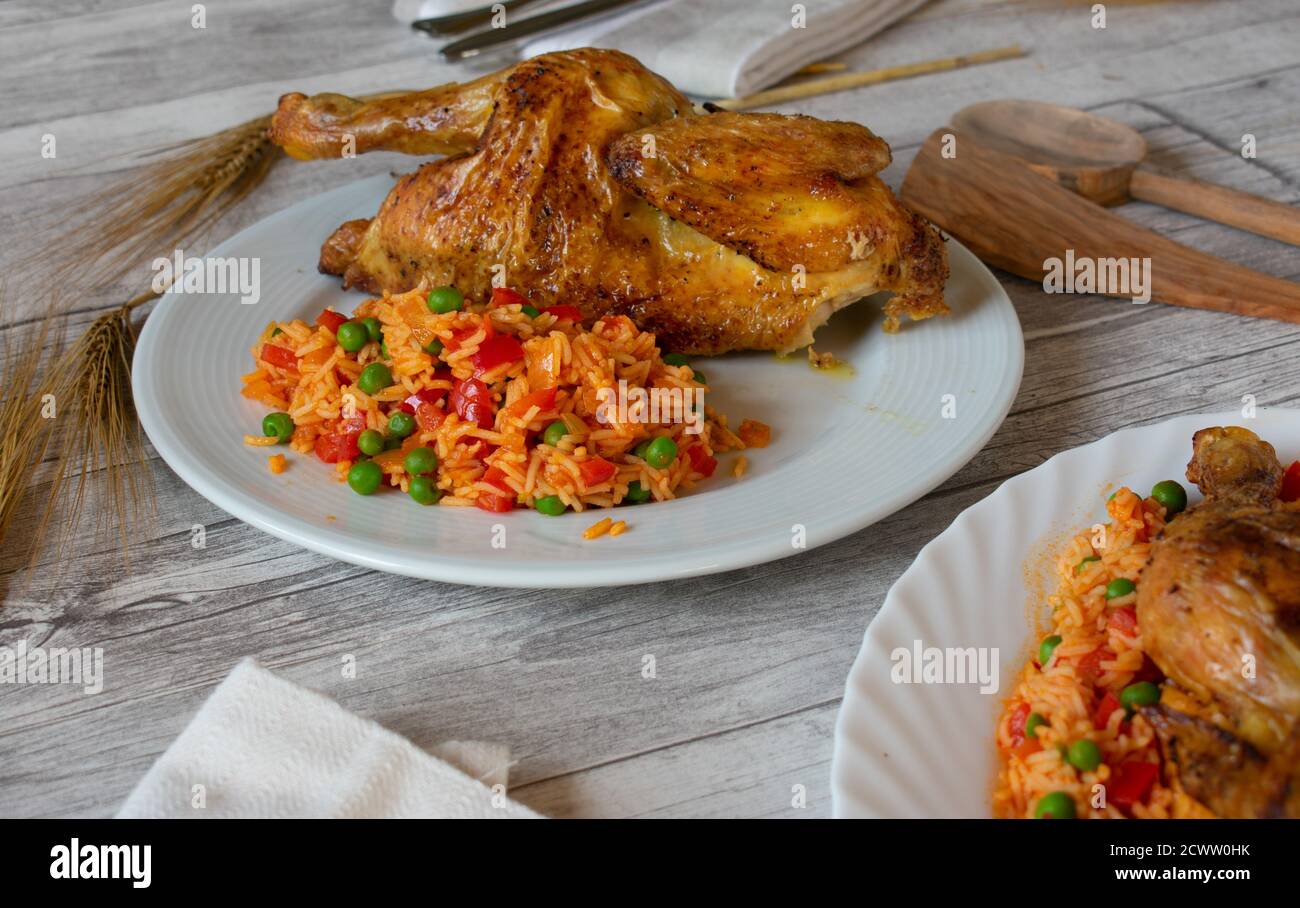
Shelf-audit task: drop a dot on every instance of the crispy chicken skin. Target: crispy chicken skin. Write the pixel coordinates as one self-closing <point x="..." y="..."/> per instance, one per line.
<point x="1219" y="608"/>
<point x="1226" y="774"/>
<point x="783" y="190"/>
<point x="749" y="246"/>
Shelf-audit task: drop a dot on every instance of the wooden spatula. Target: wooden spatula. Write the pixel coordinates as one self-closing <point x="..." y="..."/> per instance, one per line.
<point x="1100" y="160"/>
<point x="1016" y="219"/>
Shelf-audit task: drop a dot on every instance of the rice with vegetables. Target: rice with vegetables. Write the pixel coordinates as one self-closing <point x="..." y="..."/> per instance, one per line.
<point x="1070" y="741"/>
<point x="492" y="406"/>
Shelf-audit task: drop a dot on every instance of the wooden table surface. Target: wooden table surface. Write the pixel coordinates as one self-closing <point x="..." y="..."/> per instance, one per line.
<point x="750" y="664"/>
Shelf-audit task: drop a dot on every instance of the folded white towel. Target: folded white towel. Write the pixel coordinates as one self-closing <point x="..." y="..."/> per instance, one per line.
<point x="261" y="746"/>
<point x="714" y="48"/>
<point x="410" y="10"/>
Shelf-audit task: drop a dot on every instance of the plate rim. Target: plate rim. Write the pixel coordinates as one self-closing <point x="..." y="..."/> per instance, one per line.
<point x="145" y="380"/>
<point x="839" y="782"/>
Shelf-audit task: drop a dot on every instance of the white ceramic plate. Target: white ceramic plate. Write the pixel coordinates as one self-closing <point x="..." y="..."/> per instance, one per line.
<point x="846" y="451"/>
<point x="926" y="750"/>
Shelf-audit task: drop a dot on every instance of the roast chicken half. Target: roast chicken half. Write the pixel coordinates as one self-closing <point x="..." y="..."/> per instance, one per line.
<point x="1219" y="608"/>
<point x="583" y="178"/>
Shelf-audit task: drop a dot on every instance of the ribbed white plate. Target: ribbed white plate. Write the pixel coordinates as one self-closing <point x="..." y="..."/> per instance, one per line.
<point x="846" y="451"/>
<point x="926" y="750"/>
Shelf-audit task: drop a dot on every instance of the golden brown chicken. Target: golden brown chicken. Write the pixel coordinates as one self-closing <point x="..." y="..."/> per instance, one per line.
<point x="581" y="177"/>
<point x="1219" y="608"/>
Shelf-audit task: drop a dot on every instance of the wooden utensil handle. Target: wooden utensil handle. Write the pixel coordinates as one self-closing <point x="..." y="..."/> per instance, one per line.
<point x="1218" y="203"/>
<point x="1017" y="219"/>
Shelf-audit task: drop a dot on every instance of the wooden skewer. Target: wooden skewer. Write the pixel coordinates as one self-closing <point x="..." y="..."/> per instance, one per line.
<point x="816" y="69"/>
<point x="871" y="77"/>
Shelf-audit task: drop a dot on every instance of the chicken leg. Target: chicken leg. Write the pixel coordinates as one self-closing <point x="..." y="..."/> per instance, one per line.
<point x="1219" y="608"/>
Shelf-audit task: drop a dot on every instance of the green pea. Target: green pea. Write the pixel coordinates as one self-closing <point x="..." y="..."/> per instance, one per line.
<point x="278" y="424"/>
<point x="1055" y="806"/>
<point x="635" y="493"/>
<point x="1140" y="693"/>
<point x="371" y="442"/>
<point x="352" y="336"/>
<point x="374" y="378"/>
<point x="530" y="311"/>
<point x="661" y="452"/>
<point x="1084" y="755"/>
<point x="423" y="490"/>
<point x="641" y="449"/>
<point x="445" y="299"/>
<point x="1120" y="586"/>
<point x="419" y="461"/>
<point x="1082" y="565"/>
<point x="554" y="433"/>
<point x="401" y="424"/>
<point x="374" y="330"/>
<point x="1046" y="648"/>
<point x="365" y="477"/>
<point x="277" y="331"/>
<point x="383" y="349"/>
<point x="551" y="505"/>
<point x="699" y="377"/>
<point x="1170" y="494"/>
<point x="433" y="347"/>
<point x="676" y="359"/>
<point x="1032" y="721"/>
<point x="392" y="442"/>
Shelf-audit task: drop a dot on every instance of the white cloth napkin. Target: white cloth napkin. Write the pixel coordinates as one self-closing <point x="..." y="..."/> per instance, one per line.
<point x="261" y="746"/>
<point x="712" y="48"/>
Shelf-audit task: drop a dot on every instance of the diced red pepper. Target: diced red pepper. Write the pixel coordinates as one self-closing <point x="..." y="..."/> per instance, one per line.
<point x="562" y="311"/>
<point x="1291" y="483"/>
<point x="596" y="470"/>
<point x="460" y="335"/>
<point x="504" y="296"/>
<point x="1131" y="782"/>
<point x="701" y="462"/>
<point x="279" y="356"/>
<point x="428" y="417"/>
<point x="427" y="396"/>
<point x="472" y="402"/>
<point x="1027" y="747"/>
<point x="495" y="351"/>
<point x="542" y="400"/>
<point x="1090" y="665"/>
<point x="331" y="320"/>
<point x="1108" y="705"/>
<point x="1123" y="620"/>
<point x="1017" y="724"/>
<point x="339" y="446"/>
<point x="495" y="476"/>
<point x="497" y="504"/>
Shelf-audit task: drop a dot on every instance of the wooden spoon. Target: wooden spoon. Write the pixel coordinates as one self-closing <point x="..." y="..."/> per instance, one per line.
<point x="1098" y="159"/>
<point x="1017" y="219"/>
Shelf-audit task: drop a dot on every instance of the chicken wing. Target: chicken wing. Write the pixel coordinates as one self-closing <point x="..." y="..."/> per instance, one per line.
<point x="552" y="195"/>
